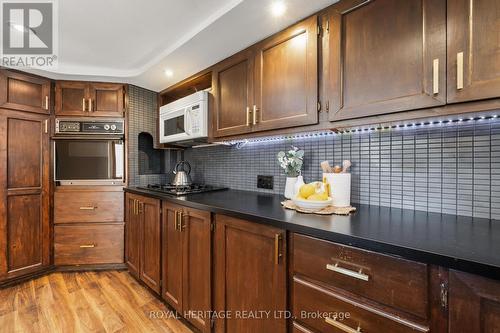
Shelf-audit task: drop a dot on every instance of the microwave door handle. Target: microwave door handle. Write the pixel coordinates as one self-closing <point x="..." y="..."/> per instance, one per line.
<point x="187" y="121"/>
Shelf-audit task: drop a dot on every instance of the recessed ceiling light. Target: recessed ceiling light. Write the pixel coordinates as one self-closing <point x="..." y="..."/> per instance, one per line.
<point x="278" y="8"/>
<point x="169" y="73"/>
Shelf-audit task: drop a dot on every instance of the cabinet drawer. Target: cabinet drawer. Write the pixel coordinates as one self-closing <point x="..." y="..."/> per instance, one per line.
<point x="317" y="307"/>
<point x="88" y="206"/>
<point x="391" y="281"/>
<point x="88" y="244"/>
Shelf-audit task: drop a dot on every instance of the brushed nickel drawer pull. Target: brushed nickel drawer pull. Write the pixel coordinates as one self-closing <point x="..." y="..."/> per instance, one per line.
<point x="342" y="327"/>
<point x="83" y="104"/>
<point x="90" y="104"/>
<point x="460" y="70"/>
<point x="88" y="208"/>
<point x="435" y="76"/>
<point x="46" y="102"/>
<point x="87" y="246"/>
<point x="357" y="275"/>
<point x="46" y="126"/>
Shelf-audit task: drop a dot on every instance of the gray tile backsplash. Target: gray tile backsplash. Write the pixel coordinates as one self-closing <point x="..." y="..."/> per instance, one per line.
<point x="451" y="169"/>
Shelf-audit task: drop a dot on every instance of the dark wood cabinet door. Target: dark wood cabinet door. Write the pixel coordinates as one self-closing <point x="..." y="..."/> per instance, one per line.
<point x="197" y="265"/>
<point x="250" y="274"/>
<point x="473" y="56"/>
<point x="474" y="304"/>
<point x="24" y="191"/>
<point x="286" y="78"/>
<point x="24" y="92"/>
<point x="172" y="256"/>
<point x="233" y="95"/>
<point x="149" y="210"/>
<point x="385" y="56"/>
<point x="132" y="233"/>
<point x="72" y="98"/>
<point x="106" y="100"/>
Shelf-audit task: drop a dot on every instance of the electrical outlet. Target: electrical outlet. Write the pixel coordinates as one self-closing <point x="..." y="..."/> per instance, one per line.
<point x="266" y="182"/>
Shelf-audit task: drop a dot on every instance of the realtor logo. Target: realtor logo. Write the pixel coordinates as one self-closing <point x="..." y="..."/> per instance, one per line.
<point x="28" y="33"/>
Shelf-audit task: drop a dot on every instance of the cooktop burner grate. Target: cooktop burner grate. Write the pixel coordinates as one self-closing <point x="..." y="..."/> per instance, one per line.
<point x="182" y="190"/>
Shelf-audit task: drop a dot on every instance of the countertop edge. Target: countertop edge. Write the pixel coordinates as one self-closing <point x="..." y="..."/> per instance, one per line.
<point x="408" y="253"/>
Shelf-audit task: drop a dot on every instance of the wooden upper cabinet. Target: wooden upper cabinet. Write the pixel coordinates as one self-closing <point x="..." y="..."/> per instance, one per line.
<point x="24" y="92"/>
<point x="474" y="304"/>
<point x="386" y="56"/>
<point x="286" y="78"/>
<point x="74" y="98"/>
<point x="233" y="83"/>
<point x="24" y="188"/>
<point x="106" y="99"/>
<point x="71" y="98"/>
<point x="473" y="50"/>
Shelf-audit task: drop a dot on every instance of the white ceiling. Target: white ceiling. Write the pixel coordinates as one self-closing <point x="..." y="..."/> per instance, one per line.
<point x="134" y="41"/>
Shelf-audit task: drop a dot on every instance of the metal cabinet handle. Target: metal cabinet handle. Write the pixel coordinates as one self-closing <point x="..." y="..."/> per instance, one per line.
<point x="88" y="207"/>
<point x="277" y="248"/>
<point x="136" y="211"/>
<point x="340" y="326"/>
<point x="46" y="102"/>
<point x="249" y="113"/>
<point x="46" y="126"/>
<point x="87" y="246"/>
<point x="357" y="275"/>
<point x="140" y="207"/>
<point x="435" y="76"/>
<point x="83" y="104"/>
<point x="90" y="105"/>
<point x="255" y="110"/>
<point x="460" y="70"/>
<point x="176" y="219"/>
<point x="182" y="224"/>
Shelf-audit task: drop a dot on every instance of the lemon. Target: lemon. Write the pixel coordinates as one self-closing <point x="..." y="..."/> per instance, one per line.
<point x="317" y="197"/>
<point x="307" y="190"/>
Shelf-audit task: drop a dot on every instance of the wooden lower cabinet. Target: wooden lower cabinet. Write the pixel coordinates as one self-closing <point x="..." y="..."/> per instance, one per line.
<point x="24" y="194"/>
<point x="186" y="248"/>
<point x="474" y="304"/>
<point x="143" y="239"/>
<point x="249" y="275"/>
<point x="88" y="244"/>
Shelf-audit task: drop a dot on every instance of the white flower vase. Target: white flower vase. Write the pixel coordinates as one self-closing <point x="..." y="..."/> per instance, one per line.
<point x="290" y="187"/>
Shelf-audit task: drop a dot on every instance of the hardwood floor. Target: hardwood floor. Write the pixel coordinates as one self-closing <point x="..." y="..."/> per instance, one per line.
<point x="109" y="301"/>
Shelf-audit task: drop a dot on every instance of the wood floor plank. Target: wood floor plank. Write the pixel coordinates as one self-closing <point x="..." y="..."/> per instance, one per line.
<point x="110" y="302"/>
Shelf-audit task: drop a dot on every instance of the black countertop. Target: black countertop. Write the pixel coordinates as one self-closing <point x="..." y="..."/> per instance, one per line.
<point x="463" y="243"/>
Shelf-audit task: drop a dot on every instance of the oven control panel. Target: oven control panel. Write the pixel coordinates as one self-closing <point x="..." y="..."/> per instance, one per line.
<point x="105" y="126"/>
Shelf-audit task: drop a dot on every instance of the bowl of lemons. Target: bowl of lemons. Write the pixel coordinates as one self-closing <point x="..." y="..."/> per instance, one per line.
<point x="312" y="196"/>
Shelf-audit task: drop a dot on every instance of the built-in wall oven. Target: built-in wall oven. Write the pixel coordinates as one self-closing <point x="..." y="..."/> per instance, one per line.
<point x="89" y="152"/>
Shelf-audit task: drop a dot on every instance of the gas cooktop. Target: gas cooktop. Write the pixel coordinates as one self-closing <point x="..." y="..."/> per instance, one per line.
<point x="181" y="190"/>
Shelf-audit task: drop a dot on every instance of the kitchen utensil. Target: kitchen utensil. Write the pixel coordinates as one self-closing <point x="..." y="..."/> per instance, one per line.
<point x="182" y="177"/>
<point x="325" y="166"/>
<point x="312" y="204"/>
<point x="345" y="166"/>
